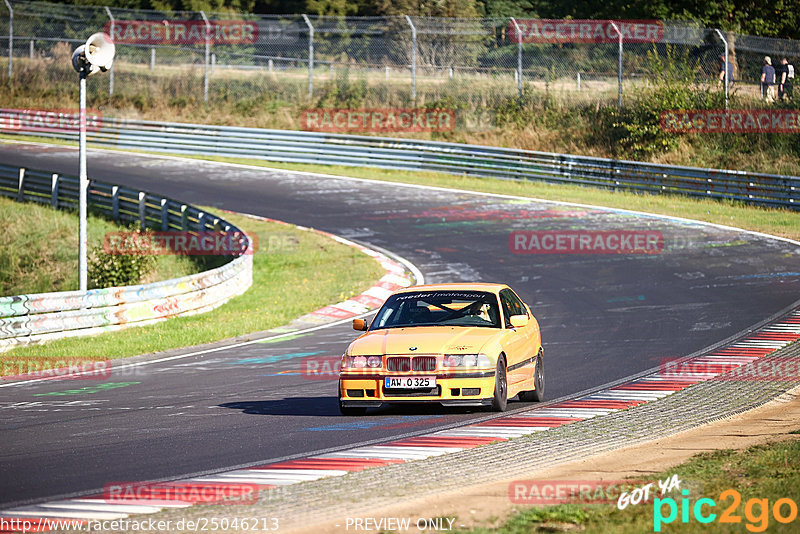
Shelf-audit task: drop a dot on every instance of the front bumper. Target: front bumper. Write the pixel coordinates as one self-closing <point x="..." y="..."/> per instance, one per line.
<point x="471" y="388"/>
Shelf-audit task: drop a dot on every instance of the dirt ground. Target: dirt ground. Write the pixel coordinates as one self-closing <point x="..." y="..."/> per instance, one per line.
<point x="489" y="504"/>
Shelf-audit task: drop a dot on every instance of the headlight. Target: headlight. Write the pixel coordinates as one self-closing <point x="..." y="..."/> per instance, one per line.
<point x="362" y="362"/>
<point x="466" y="360"/>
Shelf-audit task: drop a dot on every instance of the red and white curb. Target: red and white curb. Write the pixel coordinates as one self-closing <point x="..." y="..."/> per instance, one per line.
<point x="639" y="391"/>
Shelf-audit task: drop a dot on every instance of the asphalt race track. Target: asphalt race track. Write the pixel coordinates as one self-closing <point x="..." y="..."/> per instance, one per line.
<point x="603" y="317"/>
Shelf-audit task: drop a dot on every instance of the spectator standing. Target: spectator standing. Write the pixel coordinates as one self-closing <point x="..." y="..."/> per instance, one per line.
<point x="768" y="81"/>
<point x="785" y="78"/>
<point x="722" y="71"/>
<point x="781" y="72"/>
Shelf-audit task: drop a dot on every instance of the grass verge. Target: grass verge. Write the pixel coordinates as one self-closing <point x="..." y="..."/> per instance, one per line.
<point x="39" y="249"/>
<point x="294" y="272"/>
<point x="760" y="475"/>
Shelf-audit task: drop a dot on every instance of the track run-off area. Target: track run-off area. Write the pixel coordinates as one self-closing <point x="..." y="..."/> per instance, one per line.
<point x="604" y="317"/>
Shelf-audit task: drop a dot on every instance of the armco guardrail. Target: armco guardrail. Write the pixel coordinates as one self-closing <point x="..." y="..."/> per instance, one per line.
<point x="35" y="318"/>
<point x="410" y="154"/>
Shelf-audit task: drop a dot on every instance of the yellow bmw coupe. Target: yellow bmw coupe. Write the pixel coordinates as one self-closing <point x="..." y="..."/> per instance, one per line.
<point x="454" y="344"/>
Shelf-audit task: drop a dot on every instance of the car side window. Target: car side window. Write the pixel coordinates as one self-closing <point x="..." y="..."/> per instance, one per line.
<point x="508" y="308"/>
<point x="516" y="304"/>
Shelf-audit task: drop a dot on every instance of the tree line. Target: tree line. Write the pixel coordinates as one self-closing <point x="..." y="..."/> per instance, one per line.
<point x="768" y="18"/>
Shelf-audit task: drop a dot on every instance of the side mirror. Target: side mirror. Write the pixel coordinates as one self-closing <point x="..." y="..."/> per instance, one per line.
<point x="518" y="321"/>
<point x="359" y="324"/>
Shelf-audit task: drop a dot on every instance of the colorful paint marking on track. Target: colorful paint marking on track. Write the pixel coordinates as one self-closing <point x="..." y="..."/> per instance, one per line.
<point x="639" y="391"/>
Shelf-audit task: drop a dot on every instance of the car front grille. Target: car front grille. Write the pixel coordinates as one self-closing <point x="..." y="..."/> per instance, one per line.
<point x="424" y="363"/>
<point x="404" y="364"/>
<point x="401" y="364"/>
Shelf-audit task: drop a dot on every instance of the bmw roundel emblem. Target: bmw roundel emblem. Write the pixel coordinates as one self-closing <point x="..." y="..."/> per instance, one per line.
<point x="412" y="348"/>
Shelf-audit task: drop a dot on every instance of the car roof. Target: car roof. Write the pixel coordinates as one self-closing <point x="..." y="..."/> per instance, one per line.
<point x="463" y="286"/>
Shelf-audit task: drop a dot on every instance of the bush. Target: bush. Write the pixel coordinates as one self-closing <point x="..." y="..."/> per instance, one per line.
<point x="636" y="129"/>
<point x="341" y="92"/>
<point x="113" y="270"/>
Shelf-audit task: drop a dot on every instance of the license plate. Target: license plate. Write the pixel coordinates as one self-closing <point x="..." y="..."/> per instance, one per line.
<point x="410" y="382"/>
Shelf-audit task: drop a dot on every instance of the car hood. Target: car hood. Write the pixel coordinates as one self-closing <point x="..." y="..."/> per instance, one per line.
<point x="426" y="339"/>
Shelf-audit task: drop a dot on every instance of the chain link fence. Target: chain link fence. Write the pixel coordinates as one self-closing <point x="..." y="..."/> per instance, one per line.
<point x="374" y="62"/>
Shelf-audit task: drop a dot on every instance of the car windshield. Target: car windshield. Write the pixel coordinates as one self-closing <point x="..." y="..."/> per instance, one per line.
<point x="435" y="308"/>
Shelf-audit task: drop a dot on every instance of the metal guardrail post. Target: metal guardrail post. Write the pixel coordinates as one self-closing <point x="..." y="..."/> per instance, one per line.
<point x="619" y="65"/>
<point x="310" y="56"/>
<point x="164" y="215"/>
<point x="115" y="203"/>
<point x="413" y="58"/>
<point x="111" y="70"/>
<point x="54" y="183"/>
<point x="208" y="53"/>
<point x="519" y="56"/>
<point x="21" y="186"/>
<point x="10" y="39"/>
<point x="142" y="211"/>
<point x="725" y="66"/>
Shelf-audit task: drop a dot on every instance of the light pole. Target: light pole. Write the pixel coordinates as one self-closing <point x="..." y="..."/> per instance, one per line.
<point x="95" y="56"/>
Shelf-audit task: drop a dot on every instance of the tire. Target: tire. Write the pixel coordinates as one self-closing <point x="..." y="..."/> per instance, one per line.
<point x="351" y="411"/>
<point x="536" y="395"/>
<point x="500" y="399"/>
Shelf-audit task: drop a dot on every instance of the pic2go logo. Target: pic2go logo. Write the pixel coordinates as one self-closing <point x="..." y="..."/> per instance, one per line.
<point x="756" y="511"/>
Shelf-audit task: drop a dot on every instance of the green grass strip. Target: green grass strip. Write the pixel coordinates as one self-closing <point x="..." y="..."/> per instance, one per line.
<point x="760" y="475"/>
